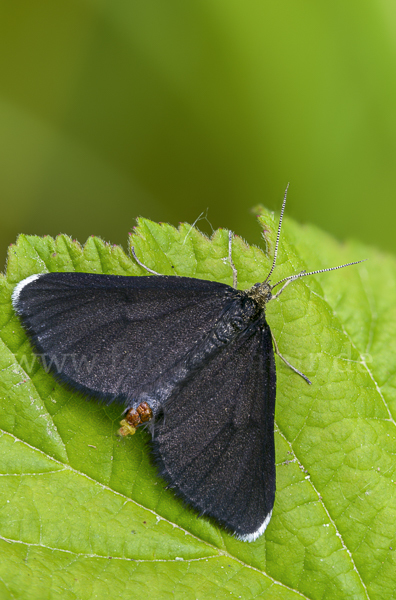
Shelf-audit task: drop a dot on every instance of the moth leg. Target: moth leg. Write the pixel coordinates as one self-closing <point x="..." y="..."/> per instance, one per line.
<point x="233" y="267"/>
<point x="141" y="264"/>
<point x="292" y="278"/>
<point x="287" y="362"/>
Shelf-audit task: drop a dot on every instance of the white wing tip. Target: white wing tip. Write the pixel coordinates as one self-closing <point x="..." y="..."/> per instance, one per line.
<point x="251" y="537"/>
<point x="19" y="287"/>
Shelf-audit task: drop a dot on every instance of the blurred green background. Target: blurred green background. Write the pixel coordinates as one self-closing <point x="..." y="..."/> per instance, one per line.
<point x="110" y="109"/>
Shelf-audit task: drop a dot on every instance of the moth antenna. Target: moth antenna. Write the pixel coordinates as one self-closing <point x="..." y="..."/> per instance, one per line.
<point x="278" y="235"/>
<point x="305" y="274"/>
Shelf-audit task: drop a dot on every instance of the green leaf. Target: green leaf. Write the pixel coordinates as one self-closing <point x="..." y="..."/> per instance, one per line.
<point x="83" y="513"/>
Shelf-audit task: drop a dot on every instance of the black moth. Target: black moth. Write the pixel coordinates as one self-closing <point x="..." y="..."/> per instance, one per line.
<point x="195" y="358"/>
